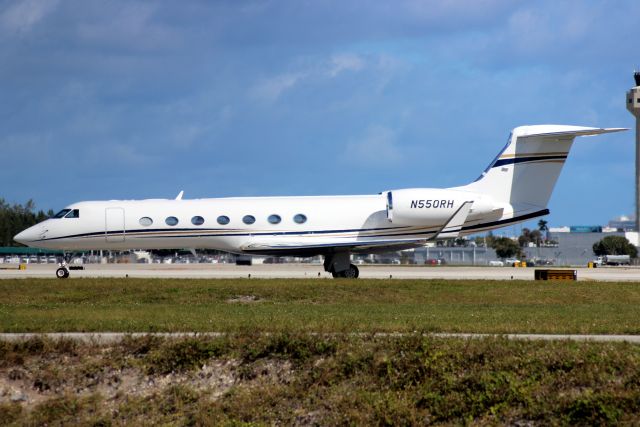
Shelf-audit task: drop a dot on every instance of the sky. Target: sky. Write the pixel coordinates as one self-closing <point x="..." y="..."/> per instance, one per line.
<point x="143" y="99"/>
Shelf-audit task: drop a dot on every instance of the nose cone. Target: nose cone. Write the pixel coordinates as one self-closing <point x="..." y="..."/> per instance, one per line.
<point x="27" y="236"/>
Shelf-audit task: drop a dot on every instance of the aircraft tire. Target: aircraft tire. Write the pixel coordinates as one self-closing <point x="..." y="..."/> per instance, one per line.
<point x="351" y="272"/>
<point x="62" y="273"/>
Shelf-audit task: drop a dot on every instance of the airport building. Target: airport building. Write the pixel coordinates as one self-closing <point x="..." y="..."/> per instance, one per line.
<point x="572" y="248"/>
<point x="623" y="223"/>
<point x="454" y="255"/>
<point x="567" y="245"/>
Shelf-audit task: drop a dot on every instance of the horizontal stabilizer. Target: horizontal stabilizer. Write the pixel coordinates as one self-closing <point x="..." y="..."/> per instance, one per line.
<point x="564" y="131"/>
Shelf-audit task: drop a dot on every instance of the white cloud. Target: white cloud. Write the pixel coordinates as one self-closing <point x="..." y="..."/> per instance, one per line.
<point x="185" y="136"/>
<point x="345" y="62"/>
<point x="272" y="88"/>
<point x="450" y="10"/>
<point x="377" y="147"/>
<point x="33" y="145"/>
<point x="23" y="15"/>
<point x="121" y="153"/>
<point x="131" y="25"/>
<point x="539" y="32"/>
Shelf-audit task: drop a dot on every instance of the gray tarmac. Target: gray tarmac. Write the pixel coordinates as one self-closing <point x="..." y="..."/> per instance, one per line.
<point x="299" y="271"/>
<point x="115" y="337"/>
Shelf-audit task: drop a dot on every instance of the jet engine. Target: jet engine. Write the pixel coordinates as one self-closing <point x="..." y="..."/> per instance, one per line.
<point x="432" y="206"/>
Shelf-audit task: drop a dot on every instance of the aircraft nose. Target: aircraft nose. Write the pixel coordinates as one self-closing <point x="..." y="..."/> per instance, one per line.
<point x="27" y="236"/>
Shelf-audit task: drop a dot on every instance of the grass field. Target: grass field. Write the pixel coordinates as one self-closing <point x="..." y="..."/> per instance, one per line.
<point x="316" y="305"/>
<point x="292" y="377"/>
<point x="299" y="379"/>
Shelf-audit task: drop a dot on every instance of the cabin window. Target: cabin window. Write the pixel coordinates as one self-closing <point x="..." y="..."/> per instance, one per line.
<point x="223" y="220"/>
<point x="145" y="221"/>
<point x="300" y="219"/>
<point x="248" y="219"/>
<point x="171" y="220"/>
<point x="274" y="219"/>
<point x="73" y="213"/>
<point x="197" y="220"/>
<point x="62" y="213"/>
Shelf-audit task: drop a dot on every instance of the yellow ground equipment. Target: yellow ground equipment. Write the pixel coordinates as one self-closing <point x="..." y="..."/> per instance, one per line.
<point x="556" y="274"/>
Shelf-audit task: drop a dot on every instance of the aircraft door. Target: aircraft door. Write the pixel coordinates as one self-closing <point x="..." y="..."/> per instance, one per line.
<point x="114" y="224"/>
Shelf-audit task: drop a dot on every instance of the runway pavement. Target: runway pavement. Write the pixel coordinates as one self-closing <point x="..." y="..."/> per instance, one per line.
<point x="201" y="271"/>
<point x="114" y="337"/>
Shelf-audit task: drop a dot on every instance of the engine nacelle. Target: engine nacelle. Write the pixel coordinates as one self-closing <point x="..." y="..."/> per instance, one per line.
<point x="433" y="206"/>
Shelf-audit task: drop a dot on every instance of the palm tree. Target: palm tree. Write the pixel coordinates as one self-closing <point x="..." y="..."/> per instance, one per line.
<point x="542" y="226"/>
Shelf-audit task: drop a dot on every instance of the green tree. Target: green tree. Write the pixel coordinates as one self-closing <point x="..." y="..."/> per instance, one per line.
<point x="615" y="245"/>
<point x="528" y="236"/>
<point x="523" y="239"/>
<point x="542" y="225"/>
<point x="490" y="238"/>
<point x="461" y="241"/>
<point x="544" y="229"/>
<point x="15" y="218"/>
<point x="505" y="247"/>
<point x="536" y="237"/>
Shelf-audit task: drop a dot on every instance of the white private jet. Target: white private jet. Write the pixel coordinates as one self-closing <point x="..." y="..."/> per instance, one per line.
<point x="515" y="187"/>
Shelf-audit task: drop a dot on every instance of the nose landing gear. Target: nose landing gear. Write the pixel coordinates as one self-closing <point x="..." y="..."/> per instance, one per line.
<point x="62" y="272"/>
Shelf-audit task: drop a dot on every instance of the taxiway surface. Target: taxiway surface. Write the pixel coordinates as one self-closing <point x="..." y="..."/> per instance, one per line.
<point x="272" y="271"/>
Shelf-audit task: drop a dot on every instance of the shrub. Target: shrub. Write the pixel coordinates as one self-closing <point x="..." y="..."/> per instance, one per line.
<point x="183" y="355"/>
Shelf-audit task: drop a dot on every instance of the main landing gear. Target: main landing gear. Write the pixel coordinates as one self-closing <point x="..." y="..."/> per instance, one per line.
<point x="351" y="272"/>
<point x="339" y="265"/>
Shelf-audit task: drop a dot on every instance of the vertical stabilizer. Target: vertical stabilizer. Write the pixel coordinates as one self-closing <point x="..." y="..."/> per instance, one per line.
<point x="526" y="170"/>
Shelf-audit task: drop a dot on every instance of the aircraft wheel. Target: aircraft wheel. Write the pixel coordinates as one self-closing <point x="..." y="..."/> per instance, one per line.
<point x="62" y="273"/>
<point x="351" y="273"/>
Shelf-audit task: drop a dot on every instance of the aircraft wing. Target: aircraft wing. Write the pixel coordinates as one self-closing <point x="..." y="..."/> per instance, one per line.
<point x="311" y="249"/>
<point x="451" y="229"/>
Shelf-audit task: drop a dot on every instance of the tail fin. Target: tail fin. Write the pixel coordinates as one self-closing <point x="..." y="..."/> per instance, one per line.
<point x="525" y="172"/>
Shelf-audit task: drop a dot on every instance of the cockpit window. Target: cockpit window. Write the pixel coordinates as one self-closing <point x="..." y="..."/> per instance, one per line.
<point x="62" y="213"/>
<point x="73" y="213"/>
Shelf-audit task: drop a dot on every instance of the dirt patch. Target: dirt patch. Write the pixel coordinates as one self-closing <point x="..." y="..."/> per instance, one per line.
<point x="244" y="299"/>
<point x="41" y="378"/>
